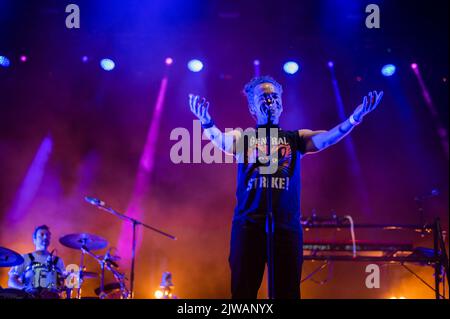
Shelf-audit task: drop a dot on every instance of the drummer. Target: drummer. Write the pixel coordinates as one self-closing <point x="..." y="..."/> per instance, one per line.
<point x="20" y="276"/>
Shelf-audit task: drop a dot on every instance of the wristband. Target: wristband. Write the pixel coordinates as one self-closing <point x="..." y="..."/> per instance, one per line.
<point x="353" y="121"/>
<point x="208" y="125"/>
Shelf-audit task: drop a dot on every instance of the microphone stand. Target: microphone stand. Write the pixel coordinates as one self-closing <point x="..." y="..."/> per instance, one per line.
<point x="270" y="225"/>
<point x="80" y="278"/>
<point x="102" y="279"/>
<point x="135" y="223"/>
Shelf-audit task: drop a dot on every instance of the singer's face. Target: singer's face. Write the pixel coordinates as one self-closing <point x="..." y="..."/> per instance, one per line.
<point x="261" y="93"/>
<point x="42" y="239"/>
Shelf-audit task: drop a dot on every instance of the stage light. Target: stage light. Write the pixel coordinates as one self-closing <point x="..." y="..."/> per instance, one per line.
<point x="256" y="63"/>
<point x="388" y="70"/>
<point x="291" y="67"/>
<point x="414" y="66"/>
<point x="23" y="58"/>
<point x="4" y="61"/>
<point x="195" y="65"/>
<point x="166" y="287"/>
<point x="168" y="61"/>
<point x="159" y="294"/>
<point x="330" y="64"/>
<point x="107" y="64"/>
<point x="84" y="58"/>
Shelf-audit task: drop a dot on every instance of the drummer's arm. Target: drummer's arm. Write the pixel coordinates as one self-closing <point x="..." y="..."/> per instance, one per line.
<point x="60" y="266"/>
<point x="15" y="282"/>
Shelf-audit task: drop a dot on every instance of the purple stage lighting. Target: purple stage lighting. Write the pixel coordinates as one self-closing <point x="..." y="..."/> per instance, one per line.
<point x="291" y="67"/>
<point x="388" y="70"/>
<point x="330" y="64"/>
<point x="414" y="66"/>
<point x="107" y="64"/>
<point x="195" y="65"/>
<point x="84" y="58"/>
<point x="23" y="58"/>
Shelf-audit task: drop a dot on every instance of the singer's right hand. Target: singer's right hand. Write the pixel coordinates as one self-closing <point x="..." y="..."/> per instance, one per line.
<point x="199" y="106"/>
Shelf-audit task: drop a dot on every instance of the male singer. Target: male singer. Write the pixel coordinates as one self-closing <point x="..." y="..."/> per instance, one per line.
<point x="248" y="236"/>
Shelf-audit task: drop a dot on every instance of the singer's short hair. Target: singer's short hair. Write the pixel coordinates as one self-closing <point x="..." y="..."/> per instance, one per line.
<point x="250" y="87"/>
<point x="39" y="228"/>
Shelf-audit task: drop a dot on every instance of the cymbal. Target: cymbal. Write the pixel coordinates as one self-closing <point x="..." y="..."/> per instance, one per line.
<point x="89" y="241"/>
<point x="9" y="258"/>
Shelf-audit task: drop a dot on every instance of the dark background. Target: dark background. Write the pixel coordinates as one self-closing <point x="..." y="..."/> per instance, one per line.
<point x="98" y="122"/>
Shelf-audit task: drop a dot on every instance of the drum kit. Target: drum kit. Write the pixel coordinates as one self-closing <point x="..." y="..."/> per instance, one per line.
<point x="46" y="281"/>
<point x="86" y="244"/>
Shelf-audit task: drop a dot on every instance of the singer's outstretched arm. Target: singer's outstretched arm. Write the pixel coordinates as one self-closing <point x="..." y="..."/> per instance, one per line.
<point x="317" y="141"/>
<point x="224" y="141"/>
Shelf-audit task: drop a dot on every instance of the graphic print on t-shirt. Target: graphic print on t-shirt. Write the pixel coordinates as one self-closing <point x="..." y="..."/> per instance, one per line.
<point x="281" y="152"/>
<point x="252" y="184"/>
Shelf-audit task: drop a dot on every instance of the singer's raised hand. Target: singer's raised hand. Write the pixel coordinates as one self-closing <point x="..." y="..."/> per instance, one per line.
<point x="199" y="106"/>
<point x="370" y="103"/>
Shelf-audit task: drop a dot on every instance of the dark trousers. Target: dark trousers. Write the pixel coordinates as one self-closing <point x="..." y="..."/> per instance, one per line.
<point x="248" y="256"/>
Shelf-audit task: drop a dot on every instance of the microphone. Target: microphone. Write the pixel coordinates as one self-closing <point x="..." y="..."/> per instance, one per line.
<point x="95" y="201"/>
<point x="434" y="192"/>
<point x="268" y="101"/>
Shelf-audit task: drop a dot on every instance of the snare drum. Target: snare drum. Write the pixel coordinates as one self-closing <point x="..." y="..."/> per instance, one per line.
<point x="43" y="282"/>
<point x="44" y="278"/>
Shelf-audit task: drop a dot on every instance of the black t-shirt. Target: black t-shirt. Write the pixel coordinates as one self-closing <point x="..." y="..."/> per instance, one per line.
<point x="252" y="185"/>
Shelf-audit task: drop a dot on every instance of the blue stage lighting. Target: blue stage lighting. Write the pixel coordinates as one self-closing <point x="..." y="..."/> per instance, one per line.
<point x="195" y="65"/>
<point x="291" y="67"/>
<point x="4" y="61"/>
<point x="107" y="64"/>
<point x="388" y="70"/>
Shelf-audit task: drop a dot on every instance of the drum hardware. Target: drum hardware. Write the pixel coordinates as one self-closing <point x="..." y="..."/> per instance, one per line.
<point x="43" y="281"/>
<point x="105" y="263"/>
<point x="84" y="242"/>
